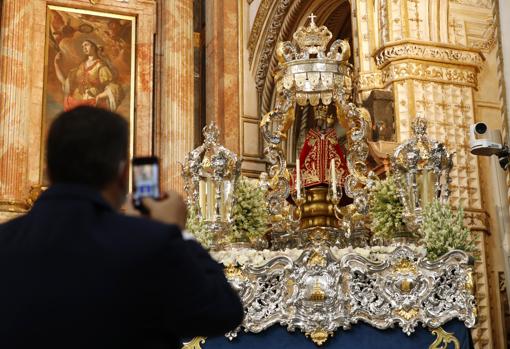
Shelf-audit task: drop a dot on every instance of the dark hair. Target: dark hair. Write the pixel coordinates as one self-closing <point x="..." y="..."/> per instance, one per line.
<point x="86" y="146"/>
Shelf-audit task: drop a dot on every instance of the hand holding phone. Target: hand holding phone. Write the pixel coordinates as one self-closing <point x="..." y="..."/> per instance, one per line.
<point x="170" y="210"/>
<point x="145" y="181"/>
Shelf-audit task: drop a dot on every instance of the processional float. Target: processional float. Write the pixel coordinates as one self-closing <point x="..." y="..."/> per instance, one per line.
<point x="321" y="209"/>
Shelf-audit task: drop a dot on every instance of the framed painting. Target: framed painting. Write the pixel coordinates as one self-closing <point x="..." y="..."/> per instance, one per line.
<point x="90" y="60"/>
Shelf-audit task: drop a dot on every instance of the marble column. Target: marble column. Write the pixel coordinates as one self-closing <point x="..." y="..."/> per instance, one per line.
<point x="15" y="83"/>
<point x="222" y="69"/>
<point x="175" y="118"/>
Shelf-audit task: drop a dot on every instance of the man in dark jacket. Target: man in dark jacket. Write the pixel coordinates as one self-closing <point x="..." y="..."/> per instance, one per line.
<point x="75" y="273"/>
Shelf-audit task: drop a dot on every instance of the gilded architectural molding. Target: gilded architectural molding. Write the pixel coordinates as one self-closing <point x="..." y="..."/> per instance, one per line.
<point x="408" y="69"/>
<point x="475" y="3"/>
<point x="364" y="33"/>
<point x="405" y="70"/>
<point x="260" y="18"/>
<point x="370" y="81"/>
<point x="489" y="41"/>
<point x="266" y="80"/>
<point x="427" y="52"/>
<point x="472" y="23"/>
<point x="270" y="41"/>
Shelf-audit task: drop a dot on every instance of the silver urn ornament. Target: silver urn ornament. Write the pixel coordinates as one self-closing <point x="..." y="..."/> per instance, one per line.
<point x="422" y="170"/>
<point x="210" y="173"/>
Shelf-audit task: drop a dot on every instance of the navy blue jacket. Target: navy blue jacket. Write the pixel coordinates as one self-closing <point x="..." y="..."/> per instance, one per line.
<point x="76" y="274"/>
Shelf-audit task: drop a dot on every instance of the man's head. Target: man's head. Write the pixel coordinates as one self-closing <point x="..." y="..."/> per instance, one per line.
<point x="89" y="146"/>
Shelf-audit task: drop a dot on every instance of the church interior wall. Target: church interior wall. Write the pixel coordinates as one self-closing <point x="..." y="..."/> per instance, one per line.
<point x="238" y="38"/>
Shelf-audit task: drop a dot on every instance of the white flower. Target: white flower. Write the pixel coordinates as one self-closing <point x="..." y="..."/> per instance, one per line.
<point x="362" y="252"/>
<point x="258" y="260"/>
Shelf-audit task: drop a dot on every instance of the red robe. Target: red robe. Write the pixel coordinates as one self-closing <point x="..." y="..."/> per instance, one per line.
<point x="316" y="155"/>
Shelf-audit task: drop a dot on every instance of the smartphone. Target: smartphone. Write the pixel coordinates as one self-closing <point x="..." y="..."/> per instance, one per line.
<point x="145" y="180"/>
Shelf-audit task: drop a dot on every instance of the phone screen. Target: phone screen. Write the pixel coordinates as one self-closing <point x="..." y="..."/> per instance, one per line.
<point x="145" y="179"/>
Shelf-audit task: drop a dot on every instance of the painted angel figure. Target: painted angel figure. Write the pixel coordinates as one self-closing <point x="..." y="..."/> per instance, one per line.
<point x="92" y="83"/>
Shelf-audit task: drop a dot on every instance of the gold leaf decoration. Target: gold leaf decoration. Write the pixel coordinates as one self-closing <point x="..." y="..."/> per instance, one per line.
<point x="319" y="337"/>
<point x="195" y="343"/>
<point x="443" y="339"/>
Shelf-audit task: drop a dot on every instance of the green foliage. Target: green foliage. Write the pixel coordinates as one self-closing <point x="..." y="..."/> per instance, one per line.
<point x="249" y="214"/>
<point x="444" y="231"/>
<point x="386" y="209"/>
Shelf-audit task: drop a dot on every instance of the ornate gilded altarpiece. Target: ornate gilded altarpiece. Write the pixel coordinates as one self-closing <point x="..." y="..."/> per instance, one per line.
<point x="438" y="59"/>
<point x="318" y="292"/>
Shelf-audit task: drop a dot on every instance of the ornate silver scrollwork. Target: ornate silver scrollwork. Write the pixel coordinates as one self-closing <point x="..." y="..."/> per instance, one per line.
<point x="308" y="75"/>
<point x="407" y="290"/>
<point x="422" y="168"/>
<point x="209" y="174"/>
<point x="279" y="178"/>
<point x="319" y="294"/>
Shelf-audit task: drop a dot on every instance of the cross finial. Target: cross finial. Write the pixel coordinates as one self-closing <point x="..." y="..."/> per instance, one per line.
<point x="312" y="19"/>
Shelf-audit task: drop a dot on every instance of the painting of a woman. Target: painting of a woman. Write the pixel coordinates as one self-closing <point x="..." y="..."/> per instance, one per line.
<point x="91" y="83"/>
<point x="89" y="60"/>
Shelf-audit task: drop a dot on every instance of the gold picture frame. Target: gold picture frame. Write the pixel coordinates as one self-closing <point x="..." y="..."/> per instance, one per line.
<point x="89" y="60"/>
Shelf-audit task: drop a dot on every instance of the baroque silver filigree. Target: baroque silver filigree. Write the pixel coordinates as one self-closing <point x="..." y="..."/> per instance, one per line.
<point x="318" y="294"/>
<point x="307" y="74"/>
<point x="210" y="172"/>
<point x="422" y="169"/>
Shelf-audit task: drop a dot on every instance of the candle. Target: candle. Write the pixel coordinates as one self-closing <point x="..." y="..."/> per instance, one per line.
<point x="333" y="176"/>
<point x="298" y="179"/>
<point x="211" y="199"/>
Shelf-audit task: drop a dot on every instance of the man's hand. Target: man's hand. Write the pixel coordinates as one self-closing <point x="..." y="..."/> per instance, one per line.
<point x="129" y="209"/>
<point x="170" y="210"/>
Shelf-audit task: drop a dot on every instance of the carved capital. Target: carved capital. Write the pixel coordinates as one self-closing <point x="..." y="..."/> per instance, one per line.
<point x="424" y="51"/>
<point x="417" y="70"/>
<point x="410" y="69"/>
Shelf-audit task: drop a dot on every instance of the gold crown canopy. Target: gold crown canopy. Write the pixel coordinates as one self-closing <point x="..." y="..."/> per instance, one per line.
<point x="317" y="76"/>
<point x="312" y="39"/>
